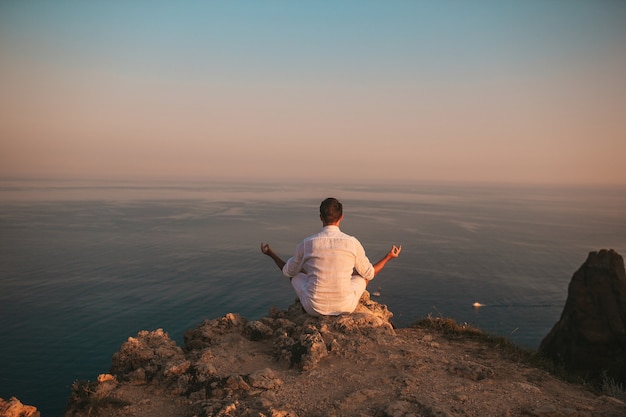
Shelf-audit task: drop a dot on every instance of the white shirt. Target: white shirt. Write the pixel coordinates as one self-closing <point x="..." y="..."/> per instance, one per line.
<point x="329" y="258"/>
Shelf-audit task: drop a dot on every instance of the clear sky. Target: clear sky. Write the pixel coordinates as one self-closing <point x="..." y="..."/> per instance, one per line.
<point x="343" y="91"/>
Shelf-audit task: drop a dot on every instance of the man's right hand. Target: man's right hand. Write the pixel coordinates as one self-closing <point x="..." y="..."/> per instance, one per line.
<point x="265" y="248"/>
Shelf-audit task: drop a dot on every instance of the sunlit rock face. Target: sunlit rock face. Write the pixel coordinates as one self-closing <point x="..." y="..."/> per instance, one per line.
<point x="590" y="336"/>
<point x="14" y="408"/>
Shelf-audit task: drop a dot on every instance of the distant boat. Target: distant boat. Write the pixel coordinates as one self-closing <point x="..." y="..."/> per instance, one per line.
<point x="376" y="293"/>
<point x="477" y="305"/>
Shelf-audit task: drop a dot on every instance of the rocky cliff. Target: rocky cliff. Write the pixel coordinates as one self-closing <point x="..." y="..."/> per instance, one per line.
<point x="590" y="336"/>
<point x="14" y="408"/>
<point x="292" y="364"/>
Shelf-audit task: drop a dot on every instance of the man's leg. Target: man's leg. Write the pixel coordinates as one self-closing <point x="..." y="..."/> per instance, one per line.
<point x="299" y="284"/>
<point x="358" y="284"/>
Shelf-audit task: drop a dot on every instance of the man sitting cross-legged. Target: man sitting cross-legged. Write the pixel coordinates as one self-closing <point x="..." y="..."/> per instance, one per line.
<point x="330" y="270"/>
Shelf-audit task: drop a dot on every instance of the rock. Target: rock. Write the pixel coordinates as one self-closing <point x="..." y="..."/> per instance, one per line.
<point x="312" y="347"/>
<point x="211" y="330"/>
<point x="471" y="370"/>
<point x="531" y="389"/>
<point x="264" y="378"/>
<point x="257" y="330"/>
<point x="366" y="305"/>
<point x="105" y="377"/>
<point x="147" y="356"/>
<point x="363" y="322"/>
<point x="236" y="382"/>
<point x="399" y="409"/>
<point x="590" y="336"/>
<point x="14" y="408"/>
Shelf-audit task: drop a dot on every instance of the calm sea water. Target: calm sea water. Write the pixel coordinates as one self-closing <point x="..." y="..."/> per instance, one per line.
<point x="83" y="266"/>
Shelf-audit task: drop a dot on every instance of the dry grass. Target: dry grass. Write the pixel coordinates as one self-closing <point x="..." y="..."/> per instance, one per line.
<point x="85" y="399"/>
<point x="613" y="388"/>
<point x="531" y="357"/>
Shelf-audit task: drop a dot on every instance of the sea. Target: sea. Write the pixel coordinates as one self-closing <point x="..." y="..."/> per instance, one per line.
<point x="84" y="265"/>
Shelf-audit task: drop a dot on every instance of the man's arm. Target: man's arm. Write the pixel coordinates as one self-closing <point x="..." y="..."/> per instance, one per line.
<point x="393" y="253"/>
<point x="265" y="248"/>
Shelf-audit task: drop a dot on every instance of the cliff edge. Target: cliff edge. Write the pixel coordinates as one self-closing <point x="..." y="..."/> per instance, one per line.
<point x="292" y="364"/>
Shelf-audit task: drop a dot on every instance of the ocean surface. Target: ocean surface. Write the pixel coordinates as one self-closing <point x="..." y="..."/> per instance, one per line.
<point x="85" y="265"/>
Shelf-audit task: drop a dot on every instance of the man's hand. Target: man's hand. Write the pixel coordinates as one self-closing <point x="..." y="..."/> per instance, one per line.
<point x="395" y="251"/>
<point x="265" y="248"/>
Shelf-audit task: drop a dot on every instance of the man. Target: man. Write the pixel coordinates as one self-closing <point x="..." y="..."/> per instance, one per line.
<point x="329" y="270"/>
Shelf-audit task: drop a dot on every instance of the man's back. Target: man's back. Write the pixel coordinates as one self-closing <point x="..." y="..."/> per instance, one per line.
<point x="329" y="259"/>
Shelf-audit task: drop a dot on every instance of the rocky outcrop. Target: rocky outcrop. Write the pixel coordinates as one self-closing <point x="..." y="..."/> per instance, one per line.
<point x="291" y="364"/>
<point x="230" y="357"/>
<point x="590" y="336"/>
<point x="14" y="408"/>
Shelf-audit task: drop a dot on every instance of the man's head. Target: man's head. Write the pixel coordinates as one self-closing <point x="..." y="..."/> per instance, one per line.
<point x="331" y="211"/>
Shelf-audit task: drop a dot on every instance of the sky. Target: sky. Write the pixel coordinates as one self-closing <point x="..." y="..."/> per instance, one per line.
<point x="529" y="91"/>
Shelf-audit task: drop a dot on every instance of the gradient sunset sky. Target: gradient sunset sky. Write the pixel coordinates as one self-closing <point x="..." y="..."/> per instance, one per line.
<point x="342" y="91"/>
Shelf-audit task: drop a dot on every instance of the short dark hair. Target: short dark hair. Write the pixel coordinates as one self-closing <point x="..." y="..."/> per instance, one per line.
<point x="331" y="210"/>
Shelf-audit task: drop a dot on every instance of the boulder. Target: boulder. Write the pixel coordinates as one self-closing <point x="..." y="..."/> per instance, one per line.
<point x="14" y="408"/>
<point x="210" y="331"/>
<point x="590" y="336"/>
<point x="151" y="354"/>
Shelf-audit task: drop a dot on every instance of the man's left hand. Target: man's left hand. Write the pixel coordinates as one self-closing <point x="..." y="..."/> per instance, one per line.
<point x="395" y="251"/>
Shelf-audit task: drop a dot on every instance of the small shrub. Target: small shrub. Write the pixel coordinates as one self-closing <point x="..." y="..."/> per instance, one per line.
<point x="613" y="388"/>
